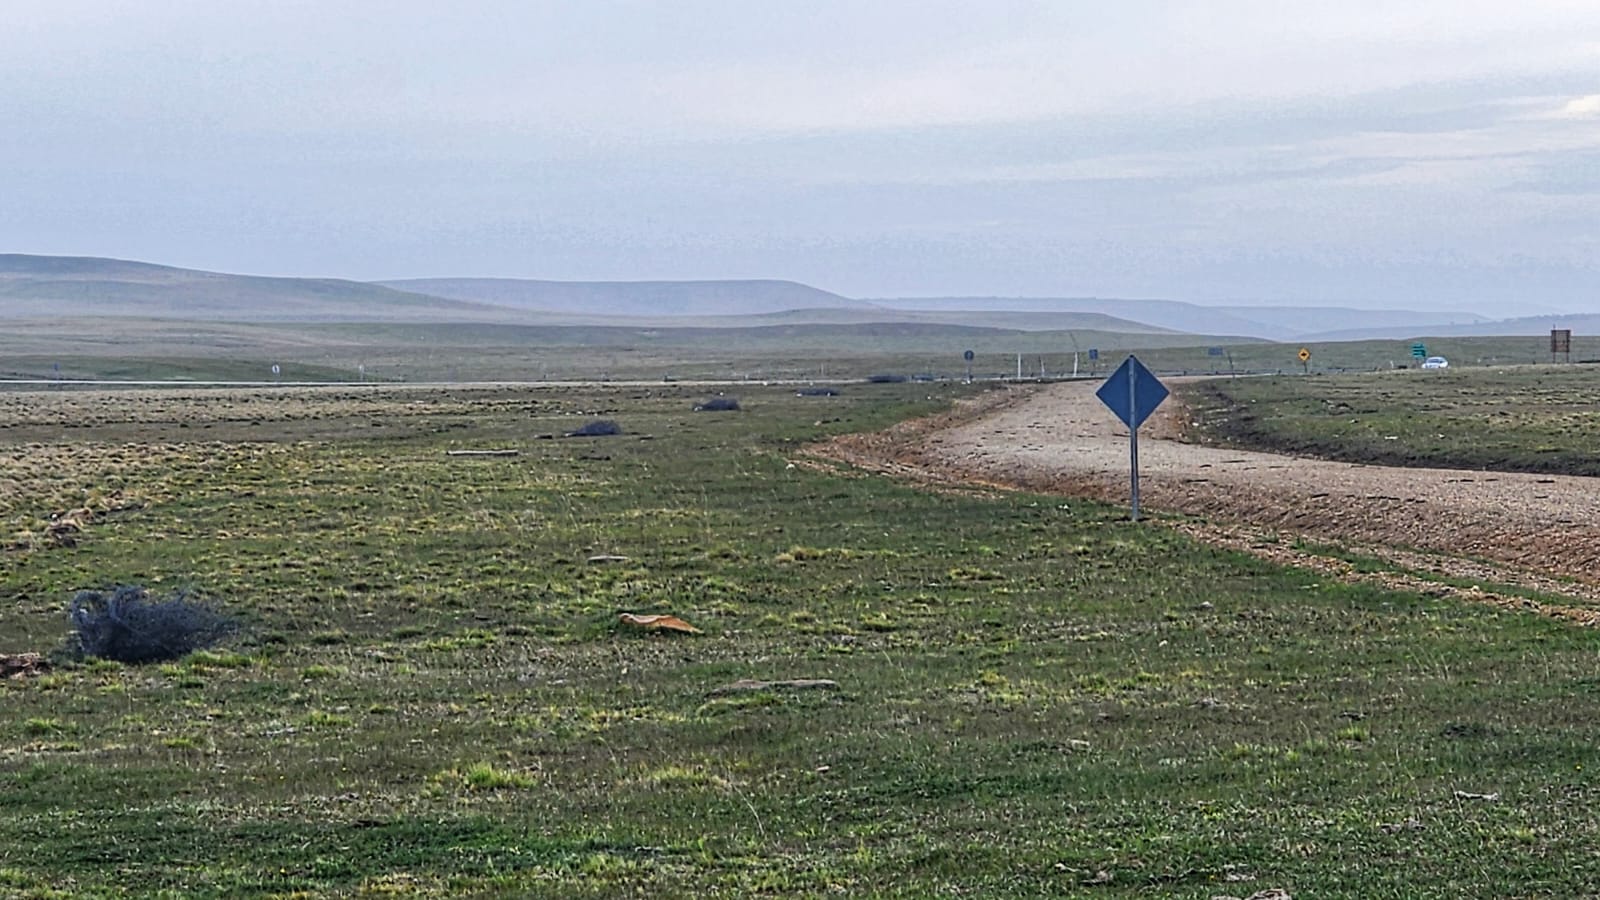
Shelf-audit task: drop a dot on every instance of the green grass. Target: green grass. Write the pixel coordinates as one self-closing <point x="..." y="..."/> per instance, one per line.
<point x="176" y="350"/>
<point x="77" y="367"/>
<point x="431" y="698"/>
<point x="1539" y="419"/>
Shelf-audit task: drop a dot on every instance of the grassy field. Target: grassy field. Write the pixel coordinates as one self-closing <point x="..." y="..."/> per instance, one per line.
<point x="1543" y="419"/>
<point x="177" y="351"/>
<point x="1035" y="697"/>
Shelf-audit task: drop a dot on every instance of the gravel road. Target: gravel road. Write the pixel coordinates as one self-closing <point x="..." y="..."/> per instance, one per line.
<point x="1060" y="439"/>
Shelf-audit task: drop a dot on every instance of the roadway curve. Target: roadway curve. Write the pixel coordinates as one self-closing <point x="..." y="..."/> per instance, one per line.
<point x="1535" y="532"/>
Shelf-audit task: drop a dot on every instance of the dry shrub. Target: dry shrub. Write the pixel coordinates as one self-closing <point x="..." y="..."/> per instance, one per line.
<point x="127" y="625"/>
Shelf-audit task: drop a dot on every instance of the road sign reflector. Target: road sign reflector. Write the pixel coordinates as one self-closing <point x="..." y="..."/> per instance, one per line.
<point x="1133" y="403"/>
<point x="1133" y="392"/>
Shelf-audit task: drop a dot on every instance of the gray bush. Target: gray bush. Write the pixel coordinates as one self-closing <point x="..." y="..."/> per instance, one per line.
<point x="886" y="379"/>
<point x="719" y="404"/>
<point x="816" y="392"/>
<point x="127" y="625"/>
<point x="597" y="428"/>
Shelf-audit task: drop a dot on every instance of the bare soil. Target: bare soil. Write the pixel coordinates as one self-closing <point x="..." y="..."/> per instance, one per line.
<point x="1535" y="533"/>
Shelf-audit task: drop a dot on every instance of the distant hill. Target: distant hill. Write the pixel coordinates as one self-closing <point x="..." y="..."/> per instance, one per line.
<point x="1313" y="322"/>
<point x="1277" y="323"/>
<point x="1169" y="315"/>
<point x="632" y="298"/>
<point x="1587" y="324"/>
<point x="59" y="287"/>
<point x="1065" y="322"/>
<point x="68" y="286"/>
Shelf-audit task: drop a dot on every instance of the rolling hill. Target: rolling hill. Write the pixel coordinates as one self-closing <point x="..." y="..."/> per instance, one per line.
<point x="1277" y="323"/>
<point x="72" y="286"/>
<point x="55" y="287"/>
<point x="632" y="298"/>
<point x="1580" y="324"/>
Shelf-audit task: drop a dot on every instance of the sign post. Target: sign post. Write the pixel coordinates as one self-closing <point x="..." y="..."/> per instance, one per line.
<point x="968" y="357"/>
<point x="1561" y="342"/>
<point x="1305" y="360"/>
<point x="1419" y="350"/>
<point x="1133" y="392"/>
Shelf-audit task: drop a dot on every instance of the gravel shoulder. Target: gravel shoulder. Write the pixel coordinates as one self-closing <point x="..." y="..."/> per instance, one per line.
<point x="1535" y="531"/>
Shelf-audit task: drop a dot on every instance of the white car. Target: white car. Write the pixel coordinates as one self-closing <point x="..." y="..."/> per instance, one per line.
<point x="1436" y="362"/>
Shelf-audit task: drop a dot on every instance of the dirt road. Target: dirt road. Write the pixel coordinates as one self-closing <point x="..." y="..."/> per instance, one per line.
<point x="1539" y="533"/>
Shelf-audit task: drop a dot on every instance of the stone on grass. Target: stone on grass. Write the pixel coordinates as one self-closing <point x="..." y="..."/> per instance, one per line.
<point x="597" y="428"/>
<point x="749" y="685"/>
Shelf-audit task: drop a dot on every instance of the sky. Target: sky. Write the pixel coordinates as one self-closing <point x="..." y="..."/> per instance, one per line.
<point x="1436" y="154"/>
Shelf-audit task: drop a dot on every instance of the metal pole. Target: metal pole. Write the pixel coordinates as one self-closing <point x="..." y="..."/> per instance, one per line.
<point x="1133" y="439"/>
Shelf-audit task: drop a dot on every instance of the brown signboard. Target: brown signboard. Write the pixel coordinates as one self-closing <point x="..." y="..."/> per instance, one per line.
<point x="1560" y="340"/>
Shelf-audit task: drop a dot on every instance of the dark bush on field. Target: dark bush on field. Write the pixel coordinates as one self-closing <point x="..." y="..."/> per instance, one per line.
<point x="597" y="428"/>
<point x="886" y="379"/>
<point x="125" y="624"/>
<point x="816" y="392"/>
<point x="718" y="404"/>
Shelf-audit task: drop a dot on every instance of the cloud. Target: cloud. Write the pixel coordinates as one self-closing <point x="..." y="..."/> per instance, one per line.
<point x="1579" y="108"/>
<point x="1025" y="145"/>
<point x="1132" y="58"/>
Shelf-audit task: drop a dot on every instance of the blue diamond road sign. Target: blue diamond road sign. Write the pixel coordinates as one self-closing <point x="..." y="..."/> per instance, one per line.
<point x="1133" y="392"/>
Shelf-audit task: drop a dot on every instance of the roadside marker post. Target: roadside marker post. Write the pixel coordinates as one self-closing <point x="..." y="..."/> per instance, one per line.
<point x="1561" y="343"/>
<point x="1133" y="392"/>
<point x="1305" y="359"/>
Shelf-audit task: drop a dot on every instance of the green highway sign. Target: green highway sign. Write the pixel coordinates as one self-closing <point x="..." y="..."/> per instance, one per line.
<point x="1419" y="350"/>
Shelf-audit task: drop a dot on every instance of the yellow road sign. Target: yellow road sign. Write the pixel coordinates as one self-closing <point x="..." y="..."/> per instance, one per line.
<point x="1304" y="354"/>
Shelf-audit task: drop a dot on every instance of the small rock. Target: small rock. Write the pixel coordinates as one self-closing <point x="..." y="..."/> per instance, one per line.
<point x="1397" y="827"/>
<point x="23" y="665"/>
<point x="748" y="685"/>
<point x="657" y="623"/>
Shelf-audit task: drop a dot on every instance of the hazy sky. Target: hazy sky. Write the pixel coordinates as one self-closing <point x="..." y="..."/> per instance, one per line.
<point x="1438" y="153"/>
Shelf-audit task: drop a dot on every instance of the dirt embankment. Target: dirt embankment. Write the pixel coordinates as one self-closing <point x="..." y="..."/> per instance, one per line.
<point x="1536" y="531"/>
